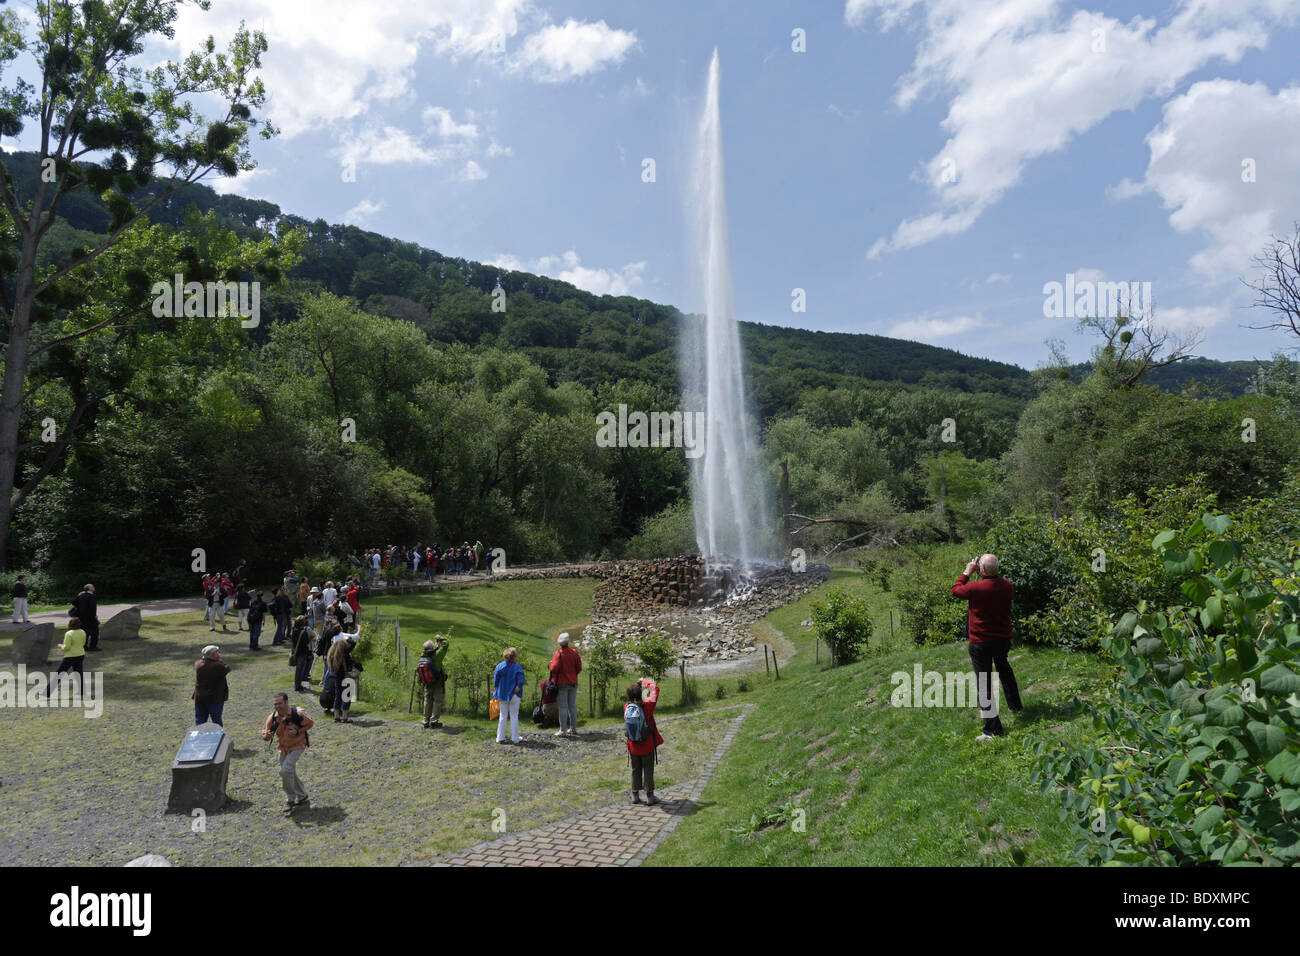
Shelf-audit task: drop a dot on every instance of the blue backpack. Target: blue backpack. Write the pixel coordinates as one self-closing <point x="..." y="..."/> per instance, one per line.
<point x="635" y="723"/>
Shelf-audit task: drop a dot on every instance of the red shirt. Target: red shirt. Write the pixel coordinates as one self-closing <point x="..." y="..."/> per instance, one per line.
<point x="354" y="599"/>
<point x="989" y="616"/>
<point x="650" y="697"/>
<point x="565" y="666"/>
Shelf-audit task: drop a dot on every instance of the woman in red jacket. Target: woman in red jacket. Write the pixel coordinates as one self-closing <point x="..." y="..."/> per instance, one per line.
<point x="643" y="737"/>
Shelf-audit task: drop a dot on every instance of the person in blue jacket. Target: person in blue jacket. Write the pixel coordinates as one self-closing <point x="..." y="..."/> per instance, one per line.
<point x="508" y="685"/>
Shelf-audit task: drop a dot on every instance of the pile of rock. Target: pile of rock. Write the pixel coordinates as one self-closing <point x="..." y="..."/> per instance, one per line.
<point x="634" y="586"/>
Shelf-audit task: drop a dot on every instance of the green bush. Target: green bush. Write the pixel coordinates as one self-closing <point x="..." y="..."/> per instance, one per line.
<point x="656" y="653"/>
<point x="927" y="610"/>
<point x="601" y="661"/>
<point x="844" y="624"/>
<point x="1205" y="722"/>
<point x="42" y="587"/>
<point x="471" y="673"/>
<point x="320" y="569"/>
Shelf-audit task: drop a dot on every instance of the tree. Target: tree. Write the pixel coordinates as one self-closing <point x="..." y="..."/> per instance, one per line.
<point x="1278" y="287"/>
<point x="1132" y="346"/>
<point x="844" y="624"/>
<point x="656" y="654"/>
<point x="92" y="102"/>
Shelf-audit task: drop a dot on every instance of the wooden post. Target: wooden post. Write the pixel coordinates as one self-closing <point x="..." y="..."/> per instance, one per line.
<point x="766" y="666"/>
<point x="681" y="666"/>
<point x="591" y="698"/>
<point x="817" y="642"/>
<point x="775" y="665"/>
<point x="891" y="625"/>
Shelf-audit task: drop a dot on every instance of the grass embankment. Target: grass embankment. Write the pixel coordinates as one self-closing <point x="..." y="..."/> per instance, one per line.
<point x="873" y="784"/>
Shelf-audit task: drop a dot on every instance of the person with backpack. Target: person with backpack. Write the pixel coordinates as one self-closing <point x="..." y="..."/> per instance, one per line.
<point x="257" y="609"/>
<point x="341" y="666"/>
<point x="290" y="725"/>
<point x="566" y="665"/>
<point x="304" y="640"/>
<point x="643" y="737"/>
<point x="508" y="685"/>
<point x="432" y="677"/>
<point x="210" y="689"/>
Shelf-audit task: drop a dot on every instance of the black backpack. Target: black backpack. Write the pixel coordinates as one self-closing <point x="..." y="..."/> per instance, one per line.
<point x="323" y="645"/>
<point x="328" y="691"/>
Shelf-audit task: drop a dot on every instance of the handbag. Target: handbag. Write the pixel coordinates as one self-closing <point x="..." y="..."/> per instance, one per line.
<point x="494" y="709"/>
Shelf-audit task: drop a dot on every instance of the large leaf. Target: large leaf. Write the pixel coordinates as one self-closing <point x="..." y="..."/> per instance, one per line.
<point x="1279" y="679"/>
<point x="1216" y="524"/>
<point x="1208" y="819"/>
<point x="1268" y="737"/>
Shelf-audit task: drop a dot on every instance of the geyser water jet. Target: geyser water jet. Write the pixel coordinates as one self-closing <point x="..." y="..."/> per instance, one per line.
<point x="727" y="511"/>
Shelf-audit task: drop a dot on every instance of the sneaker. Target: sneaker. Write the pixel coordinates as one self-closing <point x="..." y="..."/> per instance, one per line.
<point x="984" y="737"/>
<point x="636" y="797"/>
<point x="503" y="741"/>
<point x="561" y="733"/>
<point x="436" y="724"/>
<point x="651" y="799"/>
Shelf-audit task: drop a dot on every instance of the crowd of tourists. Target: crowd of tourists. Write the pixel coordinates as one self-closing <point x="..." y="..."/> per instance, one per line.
<point x="428" y="559"/>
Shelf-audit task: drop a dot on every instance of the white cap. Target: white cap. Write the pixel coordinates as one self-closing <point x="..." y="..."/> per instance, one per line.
<point x="563" y="638"/>
<point x="210" y="650"/>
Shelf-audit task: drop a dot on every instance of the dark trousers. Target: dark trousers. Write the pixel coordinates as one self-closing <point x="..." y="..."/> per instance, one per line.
<point x="205" y="712"/>
<point x="984" y="657"/>
<point x="281" y="630"/>
<point x="302" y="671"/>
<point x="254" y="632"/>
<point x="72" y="664"/>
<point x="643" y="770"/>
<point x="91" y="628"/>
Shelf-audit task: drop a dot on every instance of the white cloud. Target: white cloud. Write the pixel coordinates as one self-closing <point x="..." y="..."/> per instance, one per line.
<point x="568" y="267"/>
<point x="239" y="184"/>
<point x="931" y="329"/>
<point x="1089" y="275"/>
<point x="555" y="54"/>
<point x="1209" y="141"/>
<point x="997" y="277"/>
<point x="472" y="172"/>
<point x="1187" y="319"/>
<point x="332" y="61"/>
<point x="359" y="214"/>
<point x="496" y="149"/>
<point x="1025" y="80"/>
<point x="439" y="120"/>
<point x="388" y="146"/>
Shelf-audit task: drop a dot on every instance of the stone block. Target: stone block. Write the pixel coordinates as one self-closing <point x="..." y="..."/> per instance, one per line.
<point x="121" y="626"/>
<point x="32" y="645"/>
<point x="201" y="784"/>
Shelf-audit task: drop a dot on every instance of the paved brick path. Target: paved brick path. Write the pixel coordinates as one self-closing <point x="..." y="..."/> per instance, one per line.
<point x="622" y="835"/>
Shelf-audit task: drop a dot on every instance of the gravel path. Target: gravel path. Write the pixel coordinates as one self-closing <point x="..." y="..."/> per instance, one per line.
<point x="79" y="790"/>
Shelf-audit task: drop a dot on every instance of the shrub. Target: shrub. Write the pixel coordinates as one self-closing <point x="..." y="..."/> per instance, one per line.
<point x="656" y="653"/>
<point x="320" y="569"/>
<point x="720" y="693"/>
<point x="844" y="624"/>
<point x="473" y="674"/>
<point x="742" y="686"/>
<point x="927" y="610"/>
<point x="1206" y="718"/>
<point x="601" y="661"/>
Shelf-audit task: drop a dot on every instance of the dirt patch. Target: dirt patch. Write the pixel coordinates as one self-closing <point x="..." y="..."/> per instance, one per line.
<point x="818" y="756"/>
<point x="820" y="740"/>
<point x="767" y="736"/>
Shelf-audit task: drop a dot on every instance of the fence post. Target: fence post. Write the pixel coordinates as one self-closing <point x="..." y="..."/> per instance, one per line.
<point x="775" y="666"/>
<point x="766" y="666"/>
<point x="681" y="665"/>
<point x="891" y="625"/>
<point x="591" y="698"/>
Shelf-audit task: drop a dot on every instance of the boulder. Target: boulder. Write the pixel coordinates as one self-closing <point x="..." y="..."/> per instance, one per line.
<point x="121" y="626"/>
<point x="32" y="645"/>
<point x="149" y="859"/>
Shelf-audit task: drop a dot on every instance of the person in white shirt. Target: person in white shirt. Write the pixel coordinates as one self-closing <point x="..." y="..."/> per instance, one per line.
<point x="329" y="594"/>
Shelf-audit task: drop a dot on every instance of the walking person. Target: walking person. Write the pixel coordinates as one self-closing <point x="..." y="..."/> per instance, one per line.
<point x="643" y="737"/>
<point x="989" y="623"/>
<point x="20" y="599"/>
<point x="257" y="609"/>
<point x="87" y="610"/>
<point x="210" y="689"/>
<point x="304" y="642"/>
<point x="290" y="725"/>
<point x="566" y="665"/>
<point x="73" y="648"/>
<point x="432" y="677"/>
<point x="508" y="684"/>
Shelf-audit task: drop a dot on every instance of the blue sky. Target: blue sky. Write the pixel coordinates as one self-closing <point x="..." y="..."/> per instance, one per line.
<point x="922" y="170"/>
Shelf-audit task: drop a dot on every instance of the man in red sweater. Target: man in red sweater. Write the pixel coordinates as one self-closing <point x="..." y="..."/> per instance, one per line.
<point x="989" y="622"/>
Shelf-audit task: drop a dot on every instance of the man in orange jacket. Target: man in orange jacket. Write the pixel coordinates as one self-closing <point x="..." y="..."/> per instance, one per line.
<point x="290" y="726"/>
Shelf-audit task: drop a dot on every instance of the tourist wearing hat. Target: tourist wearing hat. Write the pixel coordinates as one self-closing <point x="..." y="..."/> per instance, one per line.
<point x="316" y="610"/>
<point x="565" y="667"/>
<point x="210" y="689"/>
<point x="432" y="677"/>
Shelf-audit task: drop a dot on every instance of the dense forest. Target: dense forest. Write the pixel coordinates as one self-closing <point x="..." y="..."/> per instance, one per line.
<point x="382" y="397"/>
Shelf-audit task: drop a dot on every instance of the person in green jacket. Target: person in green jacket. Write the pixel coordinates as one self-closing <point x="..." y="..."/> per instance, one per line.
<point x="73" y="647"/>
<point x="432" y="676"/>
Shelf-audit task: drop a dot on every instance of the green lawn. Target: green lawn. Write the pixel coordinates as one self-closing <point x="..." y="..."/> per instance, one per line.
<point x="825" y="771"/>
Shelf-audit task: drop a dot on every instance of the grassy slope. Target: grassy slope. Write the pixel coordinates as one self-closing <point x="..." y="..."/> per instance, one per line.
<point x="877" y="784"/>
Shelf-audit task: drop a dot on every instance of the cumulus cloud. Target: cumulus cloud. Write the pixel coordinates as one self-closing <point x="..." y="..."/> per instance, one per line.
<point x="555" y="54"/>
<point x="362" y="212"/>
<point x="1026" y="77"/>
<point x="1225" y="161"/>
<point x="934" y="329"/>
<point x="1192" y="318"/>
<point x="472" y="172"/>
<point x="331" y="61"/>
<point x="568" y="267"/>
